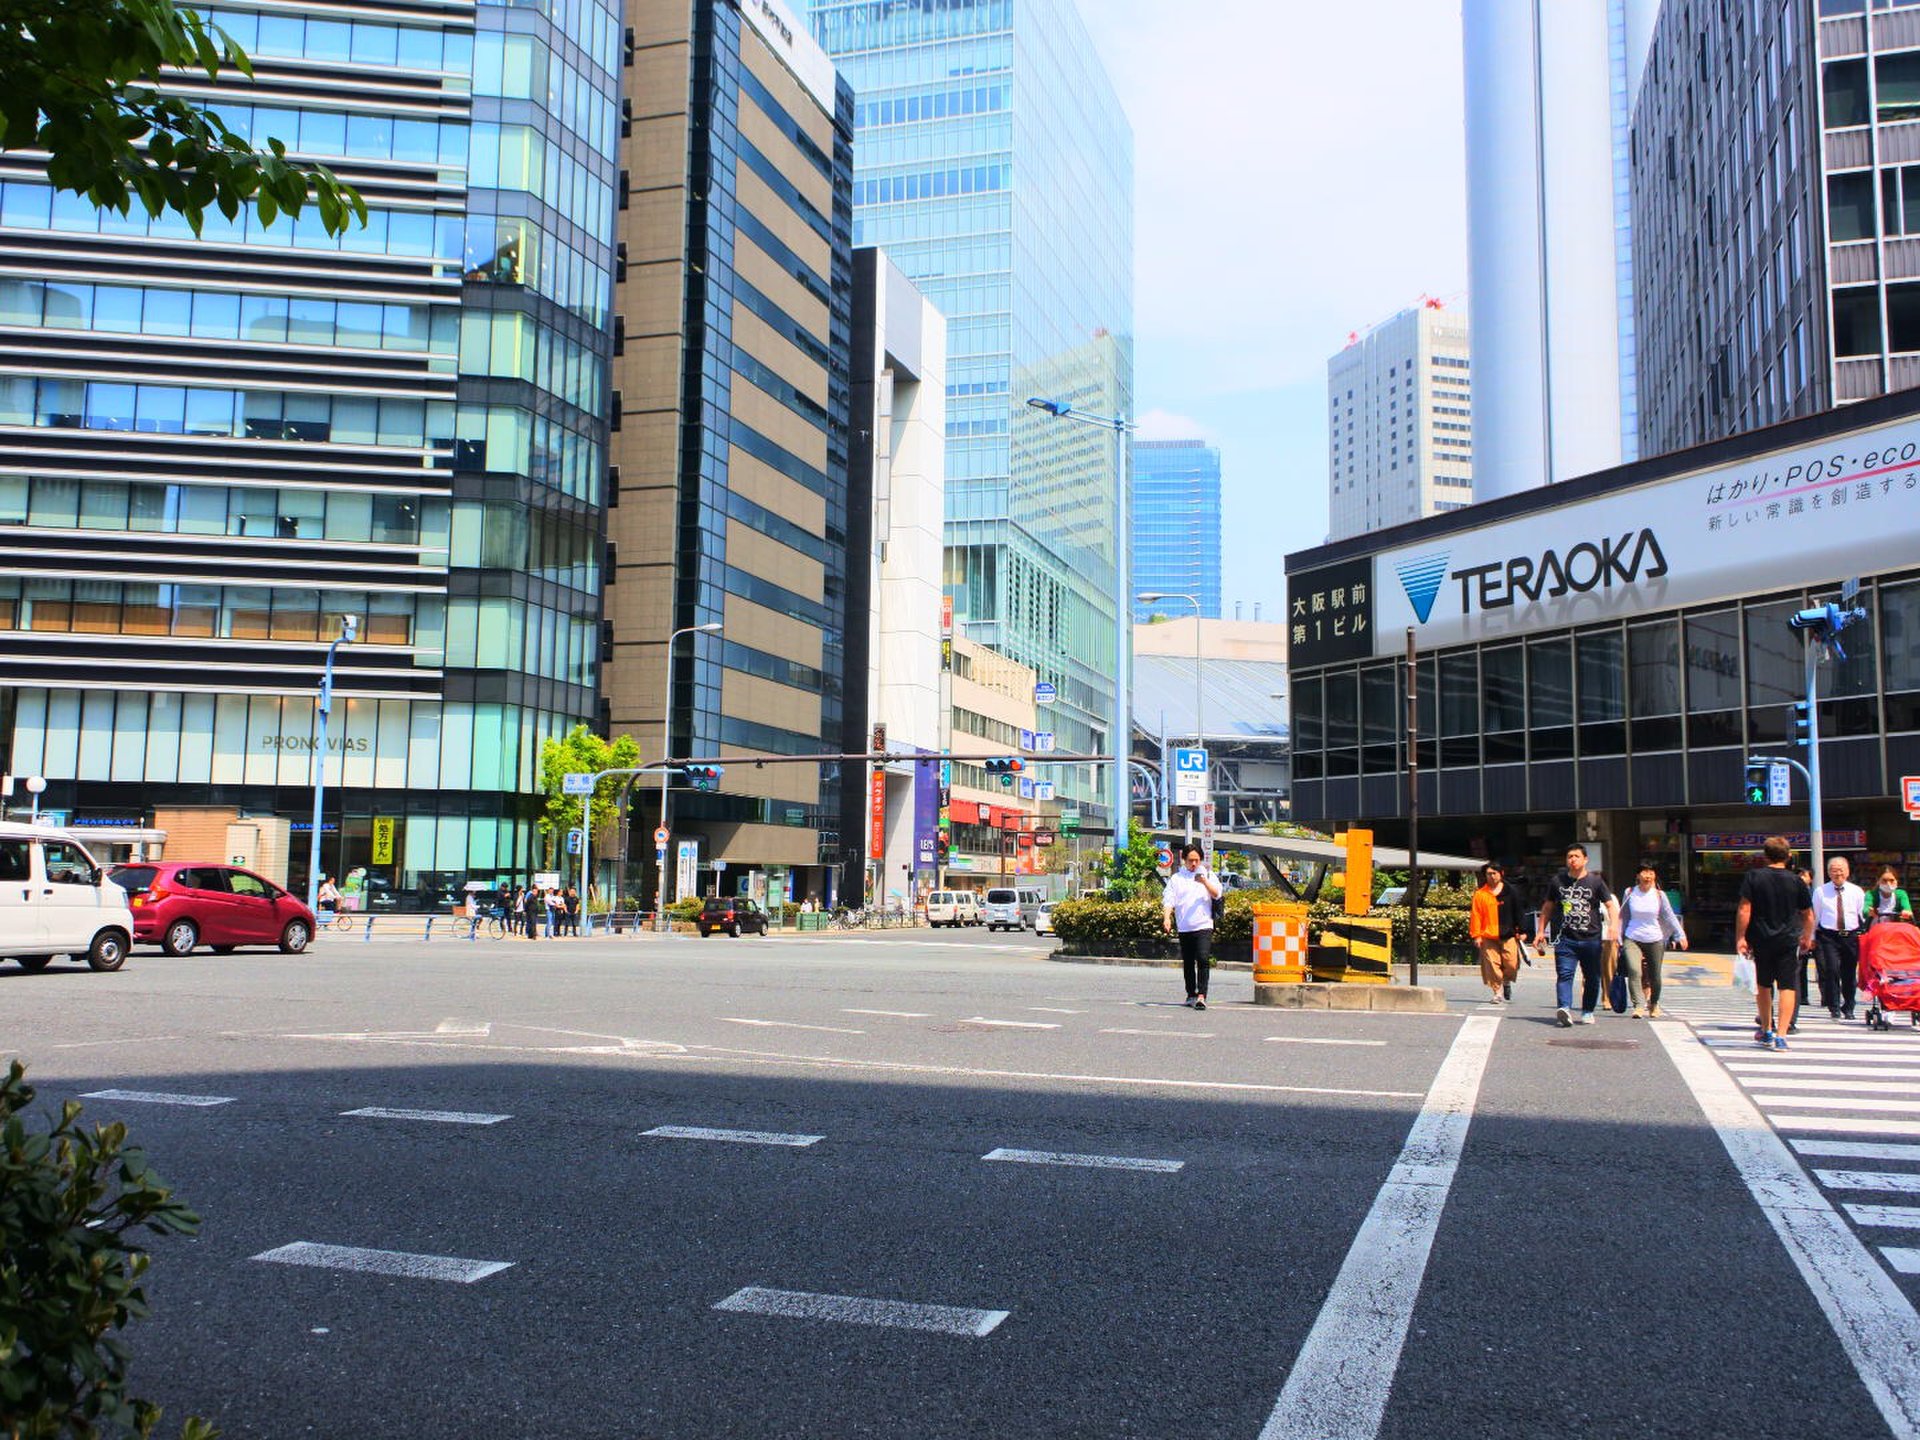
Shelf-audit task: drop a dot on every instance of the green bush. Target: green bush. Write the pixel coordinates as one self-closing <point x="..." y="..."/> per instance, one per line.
<point x="70" y="1201"/>
<point x="1441" y="930"/>
<point x="685" y="909"/>
<point x="1107" y="920"/>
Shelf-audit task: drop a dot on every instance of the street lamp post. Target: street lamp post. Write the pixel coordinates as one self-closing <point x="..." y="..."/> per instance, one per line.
<point x="36" y="787"/>
<point x="1199" y="723"/>
<point x="666" y="753"/>
<point x="1122" y="736"/>
<point x="349" y="632"/>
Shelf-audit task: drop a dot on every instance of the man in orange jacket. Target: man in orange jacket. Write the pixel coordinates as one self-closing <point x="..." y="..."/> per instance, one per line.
<point x="1494" y="925"/>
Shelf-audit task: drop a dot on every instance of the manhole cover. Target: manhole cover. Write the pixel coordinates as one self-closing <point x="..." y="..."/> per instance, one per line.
<point x="1582" y="1043"/>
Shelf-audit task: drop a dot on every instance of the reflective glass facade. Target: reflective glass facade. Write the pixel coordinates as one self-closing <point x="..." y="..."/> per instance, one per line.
<point x="1176" y="526"/>
<point x="222" y="445"/>
<point x="995" y="168"/>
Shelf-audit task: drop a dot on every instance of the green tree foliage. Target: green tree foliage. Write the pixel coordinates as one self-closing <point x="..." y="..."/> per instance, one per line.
<point x="1134" y="872"/>
<point x="81" y="80"/>
<point x="71" y="1200"/>
<point x="581" y="752"/>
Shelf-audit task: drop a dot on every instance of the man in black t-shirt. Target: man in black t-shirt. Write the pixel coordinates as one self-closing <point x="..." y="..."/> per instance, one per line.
<point x="1589" y="916"/>
<point x="1774" y="926"/>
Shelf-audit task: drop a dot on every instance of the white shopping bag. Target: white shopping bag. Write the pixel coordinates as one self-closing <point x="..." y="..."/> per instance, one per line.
<point x="1743" y="976"/>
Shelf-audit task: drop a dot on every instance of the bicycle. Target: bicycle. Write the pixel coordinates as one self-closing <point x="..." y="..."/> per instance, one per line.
<point x="850" y="919"/>
<point x="496" y="923"/>
<point x="341" y="920"/>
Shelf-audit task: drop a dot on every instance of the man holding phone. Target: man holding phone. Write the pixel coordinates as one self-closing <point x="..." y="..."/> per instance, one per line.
<point x="1188" y="904"/>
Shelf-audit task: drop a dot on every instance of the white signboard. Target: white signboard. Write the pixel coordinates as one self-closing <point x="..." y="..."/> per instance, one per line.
<point x="1207" y="817"/>
<point x="1045" y="693"/>
<point x="686" y="872"/>
<point x="576" y="784"/>
<point x="1190" y="785"/>
<point x="1043" y="741"/>
<point x="1816" y="515"/>
<point x="1779" y="784"/>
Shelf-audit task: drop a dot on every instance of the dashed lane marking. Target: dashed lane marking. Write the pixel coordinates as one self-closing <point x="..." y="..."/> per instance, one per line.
<point x="1338" y="1385"/>
<point x="1871" y="1316"/>
<point x="893" y="1014"/>
<point x="1853" y="1087"/>
<point x="1012" y="1024"/>
<point x="735" y="1137"/>
<point x="1054" y="1010"/>
<point x="791" y="1025"/>
<point x="1845" y="1125"/>
<point x="1091" y="1162"/>
<point x="1306" y="1040"/>
<point x="158" y="1097"/>
<point x="1173" y="1034"/>
<point x="858" y="1310"/>
<point x="1886" y="1180"/>
<point x="1853" y="1150"/>
<point x="384" y="1262"/>
<point x="1770" y="1101"/>
<point x="439" y="1117"/>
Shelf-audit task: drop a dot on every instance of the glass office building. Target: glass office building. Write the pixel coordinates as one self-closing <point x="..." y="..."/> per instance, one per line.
<point x="1176" y="525"/>
<point x="213" y="448"/>
<point x="994" y="165"/>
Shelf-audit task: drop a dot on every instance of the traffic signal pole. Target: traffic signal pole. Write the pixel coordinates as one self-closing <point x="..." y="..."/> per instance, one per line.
<point x="1817" y="836"/>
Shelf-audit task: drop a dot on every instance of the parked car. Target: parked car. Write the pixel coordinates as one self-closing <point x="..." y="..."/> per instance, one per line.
<point x="1043" y="918"/>
<point x="54" y="900"/>
<point x="180" y="904"/>
<point x="735" y="914"/>
<point x="1002" y="910"/>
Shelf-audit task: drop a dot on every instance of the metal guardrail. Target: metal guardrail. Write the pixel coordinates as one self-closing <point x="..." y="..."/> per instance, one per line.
<point x="353" y="925"/>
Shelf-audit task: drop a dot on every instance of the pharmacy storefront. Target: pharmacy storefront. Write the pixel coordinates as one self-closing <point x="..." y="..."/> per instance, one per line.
<point x="1596" y="660"/>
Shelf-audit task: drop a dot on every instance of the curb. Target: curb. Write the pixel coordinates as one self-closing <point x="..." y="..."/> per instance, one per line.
<point x="1421" y="999"/>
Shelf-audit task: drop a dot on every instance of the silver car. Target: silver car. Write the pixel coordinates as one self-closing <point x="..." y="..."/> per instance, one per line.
<point x="1002" y="910"/>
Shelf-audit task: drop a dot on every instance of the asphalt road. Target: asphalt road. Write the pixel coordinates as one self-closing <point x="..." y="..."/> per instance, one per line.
<point x="1267" y="1223"/>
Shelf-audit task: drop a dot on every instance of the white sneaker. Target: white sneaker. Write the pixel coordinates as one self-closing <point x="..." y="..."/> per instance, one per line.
<point x="1586" y="1017"/>
<point x="1564" y="1016"/>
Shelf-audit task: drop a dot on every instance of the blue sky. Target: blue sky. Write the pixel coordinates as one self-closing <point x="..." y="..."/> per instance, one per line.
<point x="1299" y="174"/>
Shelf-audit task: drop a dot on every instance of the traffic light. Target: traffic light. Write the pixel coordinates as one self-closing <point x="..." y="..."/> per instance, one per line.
<point x="1756" y="785"/>
<point x="1802" y="725"/>
<point x="1006" y="765"/>
<point x="703" y="777"/>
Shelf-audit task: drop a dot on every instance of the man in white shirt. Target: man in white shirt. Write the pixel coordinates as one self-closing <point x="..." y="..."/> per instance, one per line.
<point x="1188" y="903"/>
<point x="1839" y="907"/>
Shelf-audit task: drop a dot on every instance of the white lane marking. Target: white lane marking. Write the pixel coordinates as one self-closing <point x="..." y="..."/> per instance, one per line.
<point x="1091" y="1162"/>
<point x="1890" y="1217"/>
<point x="737" y="1137"/>
<point x="463" y="1027"/>
<point x="1175" y="1034"/>
<point x="791" y="1025"/>
<point x="1303" y="1040"/>
<point x="1831" y="1102"/>
<point x="441" y="1117"/>
<point x="158" y="1097"/>
<point x="1337" y="1388"/>
<point x="1874" y="1321"/>
<point x="1822" y="1067"/>
<point x="1845" y="1125"/>
<point x="1012" y="1024"/>
<point x="1902" y="1258"/>
<point x="893" y="1014"/>
<point x="1851" y="1087"/>
<point x="90" y="1044"/>
<point x="856" y="1310"/>
<point x="1887" y="1180"/>
<point x="384" y="1262"/>
<point x="1853" y="1150"/>
<point x="902" y="1067"/>
<point x="1817" y="1049"/>
<point x="1054" y="1010"/>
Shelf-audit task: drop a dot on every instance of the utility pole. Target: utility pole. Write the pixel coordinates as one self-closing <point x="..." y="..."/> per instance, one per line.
<point x="1413" y="814"/>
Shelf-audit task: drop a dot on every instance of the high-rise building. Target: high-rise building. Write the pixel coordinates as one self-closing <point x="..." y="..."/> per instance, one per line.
<point x="1772" y="161"/>
<point x="733" y="391"/>
<point x="214" y="449"/>
<point x="1549" y="90"/>
<point x="1400" y="422"/>
<point x="1176" y="524"/>
<point x="995" y="167"/>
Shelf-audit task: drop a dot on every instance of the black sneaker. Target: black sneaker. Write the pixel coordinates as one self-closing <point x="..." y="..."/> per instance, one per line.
<point x="1199" y="1002"/>
<point x="1507" y="991"/>
<point x="1793" y="1027"/>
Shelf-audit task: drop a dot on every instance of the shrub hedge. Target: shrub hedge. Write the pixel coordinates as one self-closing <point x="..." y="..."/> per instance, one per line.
<point x="1443" y="930"/>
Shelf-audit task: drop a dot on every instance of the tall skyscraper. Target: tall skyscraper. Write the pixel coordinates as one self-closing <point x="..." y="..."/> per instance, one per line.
<point x="1549" y="90"/>
<point x="1400" y="422"/>
<point x="1781" y="212"/>
<point x="734" y="391"/>
<point x="995" y="167"/>
<point x="211" y="450"/>
<point x="1176" y="525"/>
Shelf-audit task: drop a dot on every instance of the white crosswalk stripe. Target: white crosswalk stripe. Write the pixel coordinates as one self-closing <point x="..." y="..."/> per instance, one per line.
<point x="1839" y="1093"/>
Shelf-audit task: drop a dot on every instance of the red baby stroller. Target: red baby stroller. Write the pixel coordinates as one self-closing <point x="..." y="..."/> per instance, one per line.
<point x="1890" y="972"/>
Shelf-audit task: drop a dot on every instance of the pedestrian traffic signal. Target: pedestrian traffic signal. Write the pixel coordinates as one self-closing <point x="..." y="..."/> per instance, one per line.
<point x="1802" y="725"/>
<point x="1756" y="785"/>
<point x="703" y="777"/>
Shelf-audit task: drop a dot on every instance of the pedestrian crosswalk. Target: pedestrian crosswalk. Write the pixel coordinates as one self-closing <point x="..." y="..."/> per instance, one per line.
<point x="1846" y="1100"/>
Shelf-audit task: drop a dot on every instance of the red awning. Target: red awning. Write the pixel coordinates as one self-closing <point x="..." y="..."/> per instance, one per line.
<point x="963" y="812"/>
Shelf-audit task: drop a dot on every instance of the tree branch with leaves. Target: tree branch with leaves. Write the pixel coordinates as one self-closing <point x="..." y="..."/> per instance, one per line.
<point x="581" y="752"/>
<point x="84" y="80"/>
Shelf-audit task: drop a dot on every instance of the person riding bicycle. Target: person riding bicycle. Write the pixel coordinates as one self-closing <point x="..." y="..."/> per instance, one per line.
<point x="327" y="898"/>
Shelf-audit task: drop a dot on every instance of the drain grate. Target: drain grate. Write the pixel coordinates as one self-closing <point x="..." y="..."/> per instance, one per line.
<point x="1582" y="1043"/>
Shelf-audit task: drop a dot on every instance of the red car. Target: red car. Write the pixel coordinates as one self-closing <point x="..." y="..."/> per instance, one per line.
<point x="178" y="905"/>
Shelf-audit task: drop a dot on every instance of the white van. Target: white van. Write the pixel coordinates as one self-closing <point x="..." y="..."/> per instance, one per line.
<point x="969" y="902"/>
<point x="1002" y="909"/>
<point x="1030" y="903"/>
<point x="54" y="900"/>
<point x="943" y="908"/>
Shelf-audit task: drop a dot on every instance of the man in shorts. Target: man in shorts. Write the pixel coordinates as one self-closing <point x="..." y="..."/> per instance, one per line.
<point x="1774" y="927"/>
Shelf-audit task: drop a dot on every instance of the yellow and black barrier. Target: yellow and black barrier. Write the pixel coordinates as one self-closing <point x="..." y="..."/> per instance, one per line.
<point x="1354" y="949"/>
